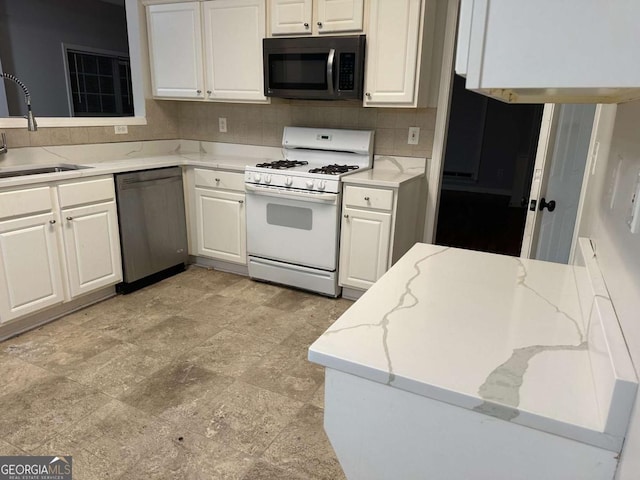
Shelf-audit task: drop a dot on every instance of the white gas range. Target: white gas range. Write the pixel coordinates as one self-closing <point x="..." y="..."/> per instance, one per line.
<point x="293" y="207"/>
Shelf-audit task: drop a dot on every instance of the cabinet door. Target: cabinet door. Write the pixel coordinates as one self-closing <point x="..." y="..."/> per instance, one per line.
<point x="92" y="247"/>
<point x="364" y="247"/>
<point x="30" y="273"/>
<point x="234" y="30"/>
<point x="290" y="17"/>
<point x="392" y="52"/>
<point x="221" y="225"/>
<point x="175" y="50"/>
<point x="339" y="15"/>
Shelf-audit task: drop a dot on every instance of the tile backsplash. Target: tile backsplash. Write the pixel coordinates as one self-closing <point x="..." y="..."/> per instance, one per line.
<point x="262" y="124"/>
<point x="250" y="124"/>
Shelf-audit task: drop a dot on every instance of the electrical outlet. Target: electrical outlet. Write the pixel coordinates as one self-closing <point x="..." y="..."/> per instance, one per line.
<point x="634" y="218"/>
<point x="121" y="129"/>
<point x="414" y="135"/>
<point x="222" y="124"/>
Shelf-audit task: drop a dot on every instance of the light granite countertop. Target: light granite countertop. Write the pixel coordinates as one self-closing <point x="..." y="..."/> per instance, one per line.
<point x="389" y="172"/>
<point x="500" y="335"/>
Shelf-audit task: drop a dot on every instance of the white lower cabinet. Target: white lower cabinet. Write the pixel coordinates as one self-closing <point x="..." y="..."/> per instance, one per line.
<point x="91" y="244"/>
<point x="364" y="246"/>
<point x="378" y="227"/>
<point x="30" y="274"/>
<point x="221" y="225"/>
<point x="218" y="218"/>
<point x="57" y="242"/>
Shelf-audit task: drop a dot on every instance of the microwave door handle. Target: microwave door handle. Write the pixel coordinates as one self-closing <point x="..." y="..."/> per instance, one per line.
<point x="330" y="62"/>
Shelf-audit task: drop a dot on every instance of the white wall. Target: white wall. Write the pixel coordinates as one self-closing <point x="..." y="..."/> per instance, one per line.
<point x="603" y="219"/>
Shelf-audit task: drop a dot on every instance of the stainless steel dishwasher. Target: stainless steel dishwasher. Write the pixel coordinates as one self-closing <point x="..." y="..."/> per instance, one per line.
<point x="153" y="231"/>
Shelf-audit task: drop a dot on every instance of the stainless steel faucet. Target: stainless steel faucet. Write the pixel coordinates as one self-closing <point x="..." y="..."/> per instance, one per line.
<point x="32" y="125"/>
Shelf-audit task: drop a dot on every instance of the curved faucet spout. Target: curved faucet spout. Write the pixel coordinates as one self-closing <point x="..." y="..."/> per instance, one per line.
<point x="32" y="125"/>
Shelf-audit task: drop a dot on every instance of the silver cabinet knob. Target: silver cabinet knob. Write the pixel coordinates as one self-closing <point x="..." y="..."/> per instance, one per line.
<point x="367" y="199"/>
<point x="217" y="180"/>
<point x="346" y="216"/>
<point x="306" y="25"/>
<point x="319" y="24"/>
<point x="52" y="222"/>
<point x="240" y="202"/>
<point x="368" y="94"/>
<point x="198" y="92"/>
<point x="69" y="218"/>
<point x="208" y="92"/>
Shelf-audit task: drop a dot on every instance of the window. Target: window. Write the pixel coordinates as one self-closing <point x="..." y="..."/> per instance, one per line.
<point x="100" y="84"/>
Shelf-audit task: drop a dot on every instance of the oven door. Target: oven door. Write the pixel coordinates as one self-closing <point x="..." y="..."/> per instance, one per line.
<point x="293" y="227"/>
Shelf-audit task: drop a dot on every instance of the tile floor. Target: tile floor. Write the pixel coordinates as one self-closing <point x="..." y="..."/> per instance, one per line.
<point x="201" y="376"/>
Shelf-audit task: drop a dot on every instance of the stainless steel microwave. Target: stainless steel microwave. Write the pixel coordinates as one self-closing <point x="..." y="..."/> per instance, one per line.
<point x="315" y="68"/>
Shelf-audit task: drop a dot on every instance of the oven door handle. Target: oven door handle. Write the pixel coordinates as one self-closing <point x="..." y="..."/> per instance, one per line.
<point x="308" y="197"/>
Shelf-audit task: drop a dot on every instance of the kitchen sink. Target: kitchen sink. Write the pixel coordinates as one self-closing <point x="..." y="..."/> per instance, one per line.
<point x="19" y="172"/>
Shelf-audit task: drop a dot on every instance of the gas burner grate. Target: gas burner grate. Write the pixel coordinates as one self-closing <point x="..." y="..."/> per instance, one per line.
<point x="282" y="164"/>
<point x="334" y="169"/>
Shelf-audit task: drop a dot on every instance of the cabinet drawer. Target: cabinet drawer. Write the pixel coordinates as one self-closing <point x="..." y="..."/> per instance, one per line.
<point x="368" y="198"/>
<point x="219" y="179"/>
<point x="98" y="190"/>
<point x="17" y="203"/>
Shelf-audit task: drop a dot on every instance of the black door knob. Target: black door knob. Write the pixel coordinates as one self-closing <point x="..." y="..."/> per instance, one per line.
<point x="551" y="206"/>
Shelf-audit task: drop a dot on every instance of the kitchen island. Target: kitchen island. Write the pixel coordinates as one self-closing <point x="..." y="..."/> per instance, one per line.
<point x="459" y="364"/>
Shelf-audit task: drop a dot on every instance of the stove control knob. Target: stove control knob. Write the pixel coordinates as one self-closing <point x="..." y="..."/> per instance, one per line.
<point x="322" y="185"/>
<point x="257" y="177"/>
<point x="267" y="179"/>
<point x="309" y="184"/>
<point x="288" y="181"/>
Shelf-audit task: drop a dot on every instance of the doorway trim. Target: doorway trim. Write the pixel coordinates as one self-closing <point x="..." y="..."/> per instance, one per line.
<point x="436" y="165"/>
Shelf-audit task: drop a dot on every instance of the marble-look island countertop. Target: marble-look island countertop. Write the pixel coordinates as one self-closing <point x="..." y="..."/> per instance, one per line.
<point x="500" y="335"/>
<point x="389" y="171"/>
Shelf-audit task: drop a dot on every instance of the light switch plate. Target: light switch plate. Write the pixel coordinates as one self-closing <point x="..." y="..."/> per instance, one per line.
<point x="414" y="135"/>
<point x="121" y="129"/>
<point x="222" y="124"/>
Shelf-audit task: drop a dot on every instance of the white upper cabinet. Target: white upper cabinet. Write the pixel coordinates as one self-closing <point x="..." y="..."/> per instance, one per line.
<point x="175" y="50"/>
<point x="291" y="17"/>
<point x="573" y="51"/>
<point x="399" y="52"/>
<point x="234" y="30"/>
<point x="302" y="17"/>
<point x="339" y="15"/>
<point x="207" y="50"/>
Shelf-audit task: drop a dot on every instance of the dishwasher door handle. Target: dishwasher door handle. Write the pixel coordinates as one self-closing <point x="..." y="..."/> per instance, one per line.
<point x="127" y="183"/>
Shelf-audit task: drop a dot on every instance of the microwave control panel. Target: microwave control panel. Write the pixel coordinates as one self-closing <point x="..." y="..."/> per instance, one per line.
<point x="347" y="67"/>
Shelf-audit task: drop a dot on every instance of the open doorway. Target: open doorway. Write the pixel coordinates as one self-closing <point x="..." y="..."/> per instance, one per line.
<point x="488" y="167"/>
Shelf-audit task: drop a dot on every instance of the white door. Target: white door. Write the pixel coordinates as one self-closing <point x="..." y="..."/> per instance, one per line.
<point x="364" y="247"/>
<point x="392" y="52"/>
<point x="290" y="17"/>
<point x="339" y="15"/>
<point x="30" y="273"/>
<point x="563" y="146"/>
<point x="92" y="247"/>
<point x="234" y="30"/>
<point x="221" y="225"/>
<point x="175" y="50"/>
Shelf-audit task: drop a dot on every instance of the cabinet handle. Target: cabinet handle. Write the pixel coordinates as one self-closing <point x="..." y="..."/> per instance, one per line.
<point x="306" y="25"/>
<point x="346" y="216"/>
<point x="240" y="202"/>
<point x="208" y="92"/>
<point x="217" y="180"/>
<point x="198" y="92"/>
<point x="367" y="199"/>
<point x="368" y="95"/>
<point x="52" y="222"/>
<point x="69" y="218"/>
<point x="319" y="24"/>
